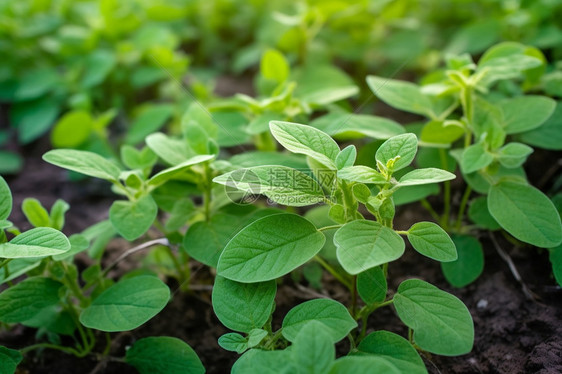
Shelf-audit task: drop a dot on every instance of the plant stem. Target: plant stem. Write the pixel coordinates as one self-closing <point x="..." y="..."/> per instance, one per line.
<point x="430" y="209"/>
<point x="462" y="208"/>
<point x="333" y="227"/>
<point x="23" y="351"/>
<point x="446" y="192"/>
<point x="207" y="193"/>
<point x="273" y="340"/>
<point x="334" y="273"/>
<point x="353" y="294"/>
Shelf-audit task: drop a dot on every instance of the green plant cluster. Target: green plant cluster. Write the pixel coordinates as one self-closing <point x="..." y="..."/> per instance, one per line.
<point x="290" y="181"/>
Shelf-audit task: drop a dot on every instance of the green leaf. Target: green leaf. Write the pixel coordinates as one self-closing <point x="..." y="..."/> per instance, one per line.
<point x="524" y="113"/>
<point x="441" y="322"/>
<point x="313" y="351"/>
<point x="479" y="214"/>
<point x="555" y="257"/>
<point x="394" y="348"/>
<point x="173" y="151"/>
<point x="28" y="299"/>
<point x="17" y="267"/>
<point x="127" y="304"/>
<point x="243" y="306"/>
<point x="280" y="184"/>
<point x="34" y="118"/>
<point x="306" y="140"/>
<point x="350" y="126"/>
<point x="363" y="364"/>
<point x="346" y="157"/>
<point x="38" y="242"/>
<point x="9" y="360"/>
<point x="549" y="134"/>
<point x="474" y="158"/>
<point x="274" y="66"/>
<point x="372" y="286"/>
<point x="432" y="241"/>
<point x="138" y="159"/>
<point x="269" y="248"/>
<point x="440" y="132"/>
<point x="84" y="162"/>
<point x="514" y="154"/>
<point x="98" y="66"/>
<point x="364" y="244"/>
<point x="35" y="213"/>
<point x="526" y="213"/>
<point x="36" y="83"/>
<point x="264" y="362"/>
<point x="5" y="199"/>
<point x="163" y="355"/>
<point x="361" y="174"/>
<point x="469" y="264"/>
<point x="401" y="95"/>
<point x="72" y="129"/>
<point x="58" y="210"/>
<point x="333" y="315"/>
<point x="258" y="158"/>
<point x="169" y="173"/>
<point x="234" y="342"/>
<point x="405" y="146"/>
<point x="425" y="176"/>
<point x="150" y="120"/>
<point x="319" y="85"/>
<point x="78" y="243"/>
<point x="132" y="219"/>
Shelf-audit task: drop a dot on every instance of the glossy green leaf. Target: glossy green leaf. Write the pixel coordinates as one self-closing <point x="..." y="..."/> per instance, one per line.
<point x="524" y="113"/>
<point x="35" y="213"/>
<point x="72" y="129"/>
<point x="469" y="264"/>
<point x="17" y="267"/>
<point x="526" y="213"/>
<point x="361" y="174"/>
<point x="479" y="214"/>
<point x="395" y="349"/>
<point x="313" y="350"/>
<point x="234" y="342"/>
<point x="405" y="146"/>
<point x="37" y="242"/>
<point x="549" y="134"/>
<point x="84" y="162"/>
<point x="306" y="140"/>
<point x="9" y="360"/>
<point x="363" y="364"/>
<point x="127" y="304"/>
<point x="243" y="306"/>
<point x="440" y="133"/>
<point x="346" y="157"/>
<point x="364" y="244"/>
<point x="132" y="219"/>
<point x="372" y="286"/>
<point x="173" y="151"/>
<point x="269" y="248"/>
<point x="401" y="95"/>
<point x="474" y="158"/>
<point x="514" y="154"/>
<point x="274" y="66"/>
<point x="333" y="315"/>
<point x="163" y="355"/>
<point x="425" y="176"/>
<point x="432" y="241"/>
<point x="138" y="159"/>
<point x="169" y="173"/>
<point x="441" y="322"/>
<point x="28" y="299"/>
<point x="280" y="184"/>
<point x="5" y="199"/>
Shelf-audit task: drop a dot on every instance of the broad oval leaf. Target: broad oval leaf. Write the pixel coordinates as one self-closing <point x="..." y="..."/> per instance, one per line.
<point x="171" y="150"/>
<point x="350" y="126"/>
<point x="468" y="266"/>
<point x="514" y="154"/>
<point x="441" y="322"/>
<point x="280" y="184"/>
<point x="127" y="304"/>
<point x="425" y="176"/>
<point x="28" y="299"/>
<point x="432" y="241"/>
<point x="150" y="120"/>
<point x="234" y="342"/>
<point x="395" y="349"/>
<point x="405" y="146"/>
<point x="132" y="219"/>
<point x="84" y="162"/>
<point x="524" y="113"/>
<point x="361" y="174"/>
<point x="306" y="140"/>
<point x="269" y="248"/>
<point x="363" y="364"/>
<point x="72" y="129"/>
<point x="479" y="214"/>
<point x="264" y="362"/>
<point x="526" y="213"/>
<point x="364" y="244"/>
<point x="243" y="306"/>
<point x="163" y="355"/>
<point x="474" y="158"/>
<point x="346" y="157"/>
<point x="313" y="350"/>
<point x="333" y="315"/>
<point x="5" y="199"/>
<point x="372" y="286"/>
<point x="549" y="134"/>
<point x="401" y="95"/>
<point x="38" y="242"/>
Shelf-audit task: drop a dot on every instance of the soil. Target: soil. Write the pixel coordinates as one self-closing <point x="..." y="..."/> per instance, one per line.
<point x="514" y="334"/>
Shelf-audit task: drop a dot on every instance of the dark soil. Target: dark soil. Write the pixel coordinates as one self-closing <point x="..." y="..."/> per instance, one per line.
<point x="513" y="333"/>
